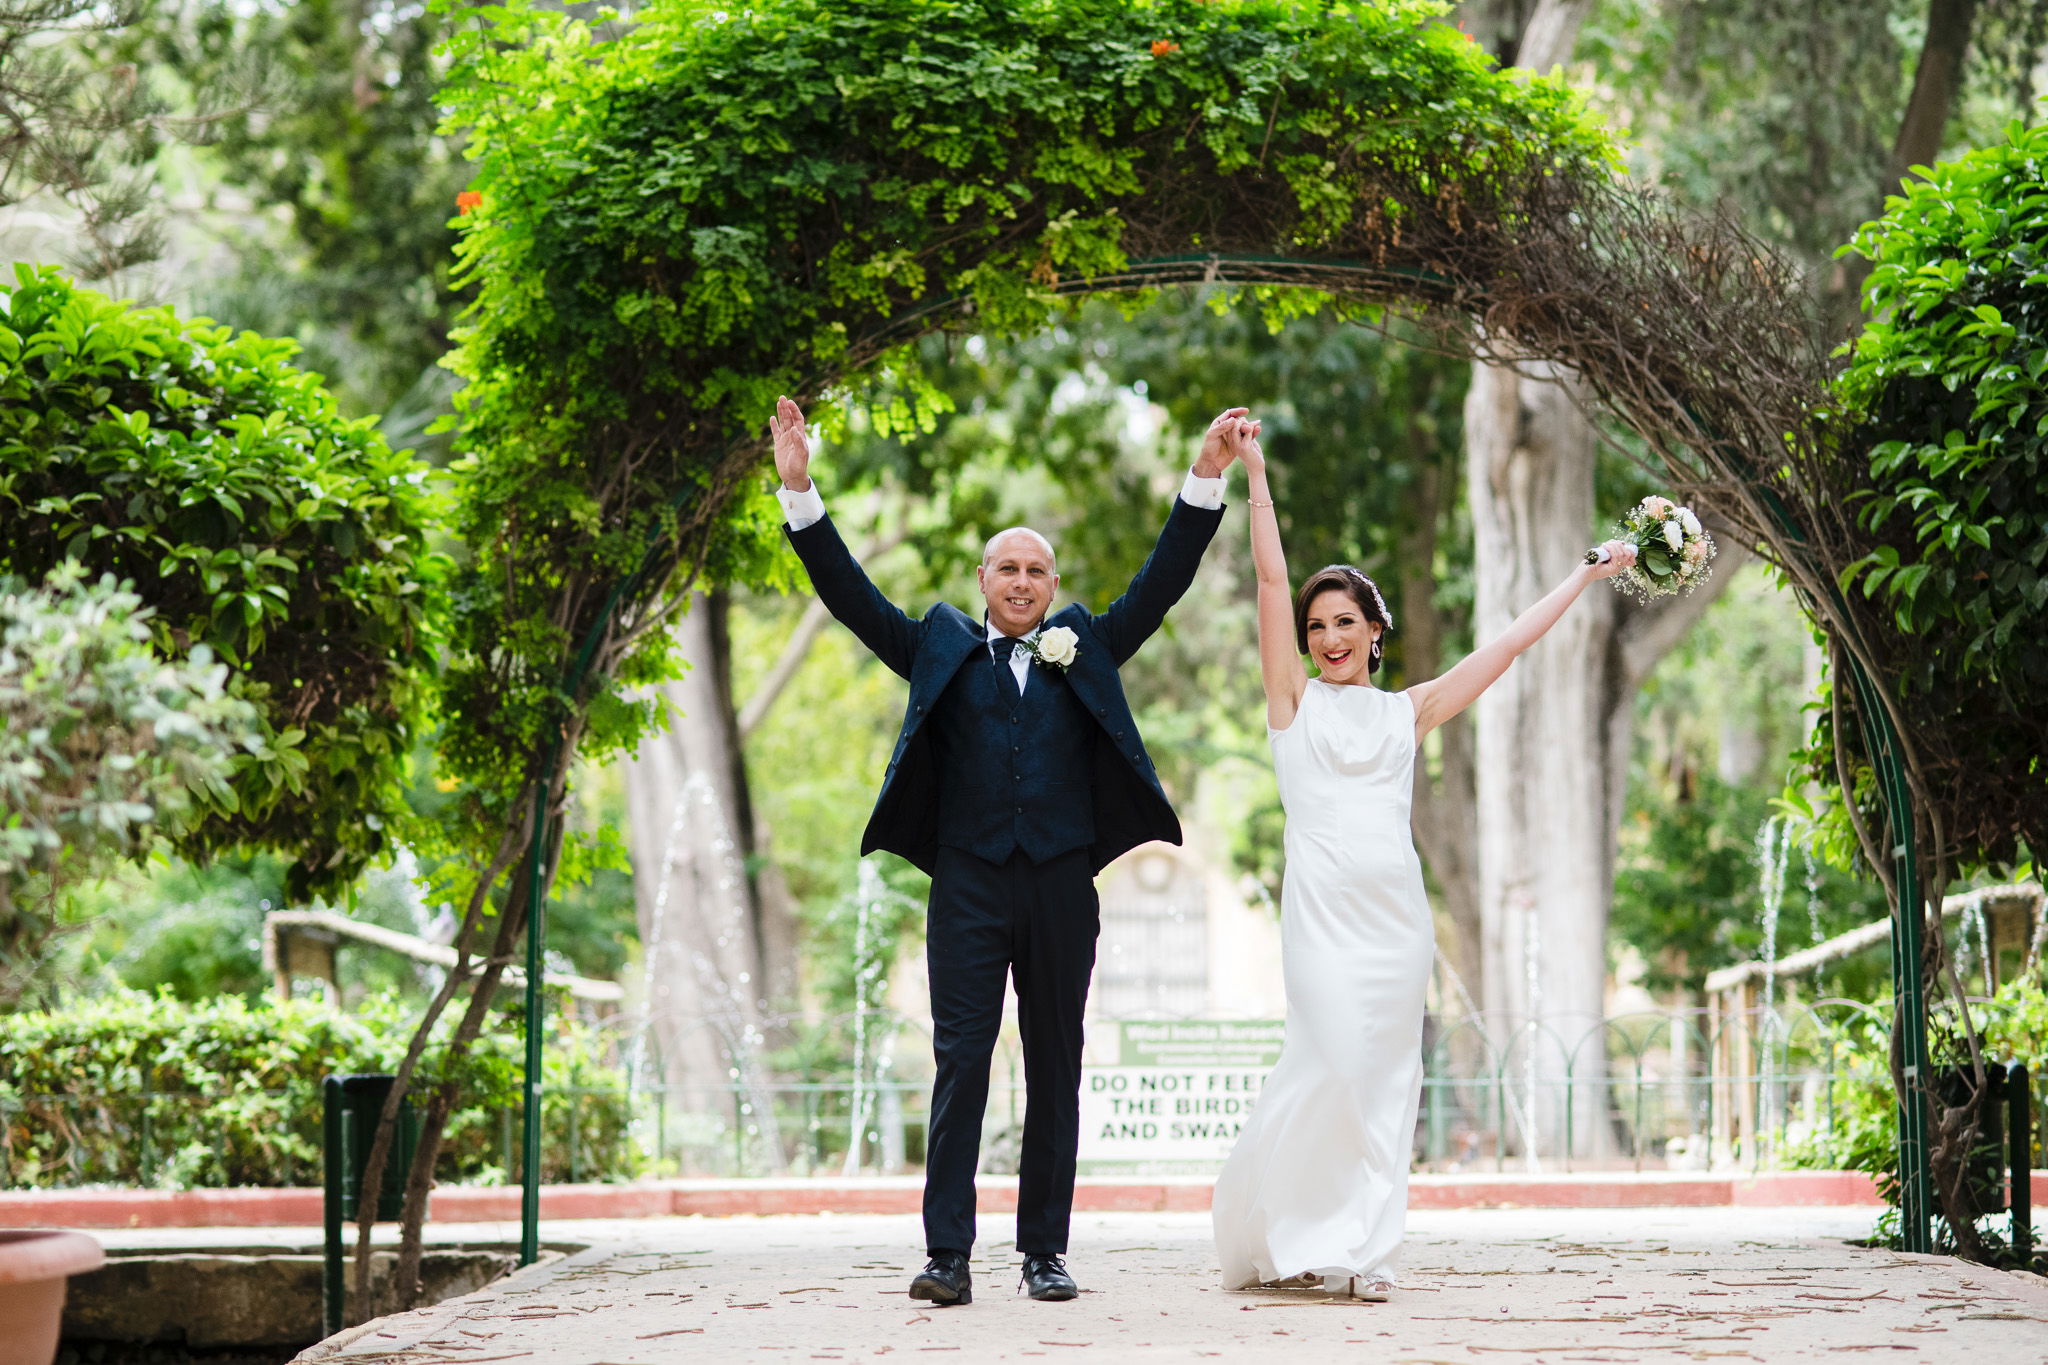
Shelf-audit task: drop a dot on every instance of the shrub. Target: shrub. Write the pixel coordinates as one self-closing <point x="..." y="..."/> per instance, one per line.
<point x="1865" y="1135"/>
<point x="138" y="1089"/>
<point x="101" y="745"/>
<point x="1944" y="389"/>
<point x="199" y="465"/>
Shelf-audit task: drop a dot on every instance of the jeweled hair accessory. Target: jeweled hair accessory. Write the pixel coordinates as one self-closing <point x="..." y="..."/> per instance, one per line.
<point x="1386" y="617"/>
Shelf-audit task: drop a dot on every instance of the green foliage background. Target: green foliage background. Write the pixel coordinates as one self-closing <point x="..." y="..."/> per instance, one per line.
<point x="291" y="541"/>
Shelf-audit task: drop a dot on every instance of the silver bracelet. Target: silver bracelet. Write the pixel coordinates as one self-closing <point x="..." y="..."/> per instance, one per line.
<point x="1256" y="503"/>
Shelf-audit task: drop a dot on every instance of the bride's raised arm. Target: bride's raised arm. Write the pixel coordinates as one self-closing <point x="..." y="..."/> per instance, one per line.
<point x="1280" y="665"/>
<point x="1437" y="700"/>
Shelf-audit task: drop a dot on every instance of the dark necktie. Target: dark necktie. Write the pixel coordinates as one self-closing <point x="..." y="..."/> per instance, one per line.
<point x="1002" y="647"/>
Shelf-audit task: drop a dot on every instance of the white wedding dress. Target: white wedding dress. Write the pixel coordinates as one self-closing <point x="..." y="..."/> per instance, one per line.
<point x="1318" y="1180"/>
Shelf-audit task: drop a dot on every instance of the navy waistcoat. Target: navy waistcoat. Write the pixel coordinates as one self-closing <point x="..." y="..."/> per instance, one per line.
<point x="1015" y="772"/>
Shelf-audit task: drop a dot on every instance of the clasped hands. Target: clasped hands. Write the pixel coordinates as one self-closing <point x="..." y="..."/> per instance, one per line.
<point x="1234" y="435"/>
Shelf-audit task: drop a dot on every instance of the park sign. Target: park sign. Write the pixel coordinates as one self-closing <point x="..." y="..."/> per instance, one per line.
<point x="1167" y="1097"/>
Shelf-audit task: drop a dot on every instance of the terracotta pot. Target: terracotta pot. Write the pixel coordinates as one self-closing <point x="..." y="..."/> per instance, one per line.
<point x="34" y="1267"/>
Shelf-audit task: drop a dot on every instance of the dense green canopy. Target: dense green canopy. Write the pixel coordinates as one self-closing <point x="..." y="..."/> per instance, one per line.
<point x="708" y="209"/>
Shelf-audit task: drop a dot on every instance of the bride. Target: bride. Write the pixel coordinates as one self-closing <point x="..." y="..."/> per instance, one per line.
<point x="1316" y="1189"/>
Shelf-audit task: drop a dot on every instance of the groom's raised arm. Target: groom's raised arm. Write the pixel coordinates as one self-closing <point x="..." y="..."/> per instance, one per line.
<point x="1168" y="571"/>
<point x="841" y="584"/>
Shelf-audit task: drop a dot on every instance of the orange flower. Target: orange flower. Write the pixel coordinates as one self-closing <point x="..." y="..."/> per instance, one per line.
<point x="1161" y="47"/>
<point x="1468" y="34"/>
<point x="468" y="199"/>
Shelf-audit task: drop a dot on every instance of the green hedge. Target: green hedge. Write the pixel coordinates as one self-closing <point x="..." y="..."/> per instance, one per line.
<point x="147" y="1090"/>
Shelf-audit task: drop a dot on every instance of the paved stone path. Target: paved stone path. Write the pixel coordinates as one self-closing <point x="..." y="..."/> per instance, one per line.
<point x="1493" y="1287"/>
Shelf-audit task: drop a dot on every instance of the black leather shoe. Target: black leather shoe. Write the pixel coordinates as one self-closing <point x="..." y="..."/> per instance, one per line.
<point x="1045" y="1277"/>
<point x="945" y="1281"/>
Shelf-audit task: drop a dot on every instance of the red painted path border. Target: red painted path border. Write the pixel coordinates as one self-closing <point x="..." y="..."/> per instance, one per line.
<point x="253" y="1208"/>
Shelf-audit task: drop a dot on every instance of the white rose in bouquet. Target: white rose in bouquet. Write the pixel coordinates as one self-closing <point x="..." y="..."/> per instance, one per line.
<point x="1674" y="550"/>
<point x="1058" y="646"/>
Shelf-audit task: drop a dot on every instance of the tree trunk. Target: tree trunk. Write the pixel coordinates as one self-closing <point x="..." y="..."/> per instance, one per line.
<point x="1442" y="807"/>
<point x="1937" y="84"/>
<point x="718" y="961"/>
<point x="1544" y="772"/>
<point x="1554" y="737"/>
<point x="1937" y="81"/>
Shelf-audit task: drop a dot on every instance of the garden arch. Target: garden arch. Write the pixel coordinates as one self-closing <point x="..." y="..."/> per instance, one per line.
<point x="675" y="223"/>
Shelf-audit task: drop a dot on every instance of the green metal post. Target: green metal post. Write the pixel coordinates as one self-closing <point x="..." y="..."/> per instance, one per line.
<point x="331" y="1283"/>
<point x="2019" y="1128"/>
<point x="1909" y="1000"/>
<point x="536" y="936"/>
<point x="1916" y="1174"/>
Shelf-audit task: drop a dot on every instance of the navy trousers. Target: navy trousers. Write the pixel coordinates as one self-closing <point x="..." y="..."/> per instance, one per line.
<point x="1035" y="924"/>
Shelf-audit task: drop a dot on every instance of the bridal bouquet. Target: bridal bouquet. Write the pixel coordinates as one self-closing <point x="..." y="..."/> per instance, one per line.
<point x="1672" y="550"/>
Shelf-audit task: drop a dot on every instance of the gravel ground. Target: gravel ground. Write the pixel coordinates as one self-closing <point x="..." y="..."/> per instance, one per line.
<point x="1648" y="1285"/>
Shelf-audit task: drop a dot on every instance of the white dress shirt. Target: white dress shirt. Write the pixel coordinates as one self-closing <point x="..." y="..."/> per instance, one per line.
<point x="1020" y="662"/>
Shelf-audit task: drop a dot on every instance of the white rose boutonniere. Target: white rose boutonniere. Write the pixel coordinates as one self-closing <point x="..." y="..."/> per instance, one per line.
<point x="1055" y="648"/>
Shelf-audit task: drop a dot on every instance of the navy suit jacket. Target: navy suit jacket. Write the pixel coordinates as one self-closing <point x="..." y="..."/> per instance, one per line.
<point x="1130" y="807"/>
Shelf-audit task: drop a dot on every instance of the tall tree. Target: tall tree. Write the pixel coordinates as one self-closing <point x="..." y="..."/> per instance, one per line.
<point x="344" y="137"/>
<point x="1727" y="117"/>
<point x="1553" y="734"/>
<point x="80" y="128"/>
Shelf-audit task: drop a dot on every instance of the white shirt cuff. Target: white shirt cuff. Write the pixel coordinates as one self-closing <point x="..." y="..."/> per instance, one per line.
<point x="1206" y="494"/>
<point x="808" y="509"/>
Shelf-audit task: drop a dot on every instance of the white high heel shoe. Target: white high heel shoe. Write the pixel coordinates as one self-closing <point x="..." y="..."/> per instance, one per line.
<point x="1364" y="1288"/>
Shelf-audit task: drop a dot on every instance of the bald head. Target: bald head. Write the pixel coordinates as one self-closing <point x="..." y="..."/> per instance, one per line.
<point x="995" y="544"/>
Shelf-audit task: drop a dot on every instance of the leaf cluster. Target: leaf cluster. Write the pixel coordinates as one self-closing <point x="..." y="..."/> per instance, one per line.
<point x="1944" y="394"/>
<point x="76" y="132"/>
<point x="102" y="744"/>
<point x="339" y="141"/>
<point x="204" y="468"/>
<point x="2012" y="1025"/>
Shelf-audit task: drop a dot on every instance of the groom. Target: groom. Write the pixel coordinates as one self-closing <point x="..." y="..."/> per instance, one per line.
<point x="1018" y="774"/>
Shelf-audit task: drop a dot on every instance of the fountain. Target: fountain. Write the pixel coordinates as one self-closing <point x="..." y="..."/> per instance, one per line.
<point x="1533" y="981"/>
<point x="724" y="987"/>
<point x="1773" y="851"/>
<point x="868" y="893"/>
<point x="650" y="988"/>
<point x="1812" y="893"/>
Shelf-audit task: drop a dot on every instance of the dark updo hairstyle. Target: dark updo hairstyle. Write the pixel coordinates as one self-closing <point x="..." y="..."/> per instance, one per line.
<point x="1353" y="584"/>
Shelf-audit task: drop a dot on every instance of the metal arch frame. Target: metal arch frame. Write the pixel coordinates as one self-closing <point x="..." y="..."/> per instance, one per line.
<point x="1881" y="742"/>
